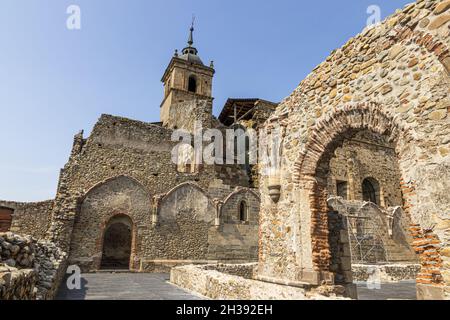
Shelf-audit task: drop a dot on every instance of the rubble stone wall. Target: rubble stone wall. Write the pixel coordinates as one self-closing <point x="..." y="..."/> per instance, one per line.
<point x="17" y="284"/>
<point x="392" y="80"/>
<point x="104" y="166"/>
<point x="211" y="282"/>
<point x="29" y="268"/>
<point x="184" y="229"/>
<point x="367" y="156"/>
<point x="145" y="186"/>
<point x="32" y="218"/>
<point x="385" y="273"/>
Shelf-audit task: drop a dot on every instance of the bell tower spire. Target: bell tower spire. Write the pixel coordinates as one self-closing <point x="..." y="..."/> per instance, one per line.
<point x="190" y="49"/>
<point x="187" y="89"/>
<point x="191" y="33"/>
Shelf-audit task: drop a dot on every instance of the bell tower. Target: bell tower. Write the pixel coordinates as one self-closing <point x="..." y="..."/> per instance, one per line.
<point x="187" y="89"/>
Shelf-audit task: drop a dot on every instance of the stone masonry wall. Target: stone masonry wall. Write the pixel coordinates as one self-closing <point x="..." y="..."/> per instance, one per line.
<point x="393" y="80"/>
<point x="125" y="168"/>
<point x="17" y="284"/>
<point x="174" y="228"/>
<point x="367" y="156"/>
<point x="30" y="218"/>
<point x="385" y="273"/>
<point x="224" y="283"/>
<point x="116" y="147"/>
<point x="29" y="268"/>
<point x="188" y="108"/>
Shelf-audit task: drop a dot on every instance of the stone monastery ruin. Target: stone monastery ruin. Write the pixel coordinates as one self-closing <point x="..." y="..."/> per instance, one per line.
<point x="363" y="182"/>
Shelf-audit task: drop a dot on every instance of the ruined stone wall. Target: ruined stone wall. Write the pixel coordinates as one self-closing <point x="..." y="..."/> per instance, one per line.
<point x="125" y="168"/>
<point x="187" y="108"/>
<point x="31" y="218"/>
<point x="118" y="196"/>
<point x="236" y="239"/>
<point x="117" y="147"/>
<point x="245" y="271"/>
<point x="385" y="273"/>
<point x="29" y="269"/>
<point x="233" y="175"/>
<point x="223" y="282"/>
<point x="180" y="226"/>
<point x="17" y="284"/>
<point x="366" y="156"/>
<point x="393" y="80"/>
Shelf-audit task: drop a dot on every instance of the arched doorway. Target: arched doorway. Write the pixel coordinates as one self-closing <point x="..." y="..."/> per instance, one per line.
<point x="117" y="243"/>
<point x="359" y="244"/>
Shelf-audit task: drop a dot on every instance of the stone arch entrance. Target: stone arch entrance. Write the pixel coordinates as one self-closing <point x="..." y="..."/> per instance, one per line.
<point x="330" y="253"/>
<point x="117" y="243"/>
<point x="119" y="196"/>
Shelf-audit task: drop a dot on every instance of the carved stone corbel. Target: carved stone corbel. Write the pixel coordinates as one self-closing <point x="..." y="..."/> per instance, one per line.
<point x="218" y="204"/>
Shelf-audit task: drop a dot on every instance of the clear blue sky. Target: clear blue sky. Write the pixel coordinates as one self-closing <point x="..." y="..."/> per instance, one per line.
<point x="54" y="82"/>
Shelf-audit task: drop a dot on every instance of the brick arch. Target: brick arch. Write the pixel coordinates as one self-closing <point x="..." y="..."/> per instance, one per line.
<point x="325" y="137"/>
<point x="331" y="130"/>
<point x="424" y="40"/>
<point x="328" y="134"/>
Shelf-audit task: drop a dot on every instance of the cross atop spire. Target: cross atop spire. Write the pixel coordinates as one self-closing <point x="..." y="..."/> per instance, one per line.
<point x="191" y="33"/>
<point x="190" y="52"/>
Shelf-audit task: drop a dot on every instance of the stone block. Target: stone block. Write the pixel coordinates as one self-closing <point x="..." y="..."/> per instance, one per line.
<point x="429" y="292"/>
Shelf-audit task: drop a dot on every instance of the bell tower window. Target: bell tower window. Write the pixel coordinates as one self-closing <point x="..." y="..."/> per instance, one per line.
<point x="192" y="84"/>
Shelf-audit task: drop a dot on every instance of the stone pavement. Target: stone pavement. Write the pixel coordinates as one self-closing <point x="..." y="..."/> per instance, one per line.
<point x="125" y="286"/>
<point x="405" y="290"/>
<point x="155" y="286"/>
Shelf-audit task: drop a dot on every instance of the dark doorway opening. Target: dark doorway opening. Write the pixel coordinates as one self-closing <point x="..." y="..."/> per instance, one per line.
<point x="117" y="242"/>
